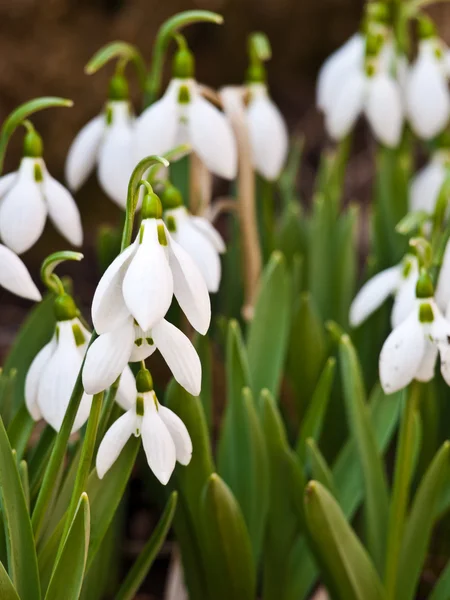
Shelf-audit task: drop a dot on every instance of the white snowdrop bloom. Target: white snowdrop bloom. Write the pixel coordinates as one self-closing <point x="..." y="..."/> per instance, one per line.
<point x="26" y="198"/>
<point x="411" y="350"/>
<point x="427" y="183"/>
<point x="377" y="96"/>
<point x="183" y="116"/>
<point x="347" y="59"/>
<point x="399" y="281"/>
<point x="14" y="276"/>
<point x="267" y="131"/>
<point x="164" y="435"/>
<point x="143" y="279"/>
<point x="200" y="240"/>
<point x="442" y="294"/>
<point x="105" y="141"/>
<point x="427" y="94"/>
<point x="109" y="354"/>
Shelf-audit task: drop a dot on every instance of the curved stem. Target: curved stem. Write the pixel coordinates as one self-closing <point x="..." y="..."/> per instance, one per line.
<point x="122" y="51"/>
<point x="132" y="195"/>
<point x="20" y="114"/>
<point x="50" y="279"/>
<point x="165" y="34"/>
<point x="259" y="47"/>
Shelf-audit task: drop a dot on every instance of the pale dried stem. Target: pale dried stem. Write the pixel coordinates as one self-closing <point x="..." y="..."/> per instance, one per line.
<point x="221" y="205"/>
<point x="200" y="186"/>
<point x="233" y="103"/>
<point x="210" y="94"/>
<point x="175" y="587"/>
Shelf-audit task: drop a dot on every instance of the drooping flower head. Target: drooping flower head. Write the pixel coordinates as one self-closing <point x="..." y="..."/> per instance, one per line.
<point x="164" y="435"/>
<point x="428" y="181"/>
<point x="14" y="276"/>
<point x="29" y="195"/>
<point x="106" y="141"/>
<point x="183" y="116"/>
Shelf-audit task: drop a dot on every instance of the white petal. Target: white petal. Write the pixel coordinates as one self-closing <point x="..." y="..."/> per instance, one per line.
<point x="6" y="182"/>
<point x="126" y="392"/>
<point x="200" y="249"/>
<point x="442" y="294"/>
<point x="23" y="211"/>
<point x="384" y="109"/>
<point x="180" y="356"/>
<point x="268" y="136"/>
<point x="58" y="377"/>
<point x="114" y="441"/>
<point x="212" y="138"/>
<point x="347" y="106"/>
<point x="83" y="412"/>
<point x="402" y="354"/>
<point x="348" y="57"/>
<point x="115" y="158"/>
<point x="82" y="154"/>
<point x="156" y="128"/>
<point x="373" y="293"/>
<point x="108" y="305"/>
<point x="427" y="95"/>
<point x="439" y="330"/>
<point x="189" y="288"/>
<point x="14" y="276"/>
<point x="444" y="351"/>
<point x="107" y="357"/>
<point x="425" y="372"/>
<point x="62" y="210"/>
<point x="148" y="284"/>
<point x="179" y="433"/>
<point x="33" y="378"/>
<point x="143" y="346"/>
<point x="158" y="445"/>
<point x="208" y="229"/>
<point x="405" y="297"/>
<point x="425" y="187"/>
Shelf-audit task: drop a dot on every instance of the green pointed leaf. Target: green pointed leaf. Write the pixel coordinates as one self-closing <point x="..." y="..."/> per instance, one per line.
<point x="312" y="424"/>
<point x="307" y="352"/>
<point x="320" y="470"/>
<point x="343" y="557"/>
<point x="141" y="567"/>
<point x="204" y="350"/>
<point x="376" y="491"/>
<point x="269" y="330"/>
<point x="67" y="577"/>
<point x="441" y="589"/>
<point x="290" y="237"/>
<point x="7" y="590"/>
<point x="420" y="524"/>
<point x="22" y="561"/>
<point x="344" y="269"/>
<point x="227" y="543"/>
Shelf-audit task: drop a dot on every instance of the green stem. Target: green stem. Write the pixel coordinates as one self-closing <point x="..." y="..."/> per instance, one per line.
<point x="124" y="53"/>
<point x="400" y="493"/>
<point x="20" y="114"/>
<point x="108" y="406"/>
<point x="84" y="466"/>
<point x="267" y="220"/>
<point x="52" y="281"/>
<point x="163" y="38"/>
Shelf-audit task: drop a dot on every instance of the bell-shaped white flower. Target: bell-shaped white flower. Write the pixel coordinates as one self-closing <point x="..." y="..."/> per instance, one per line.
<point x="347" y="59"/>
<point x="399" y="281"/>
<point x="200" y="240"/>
<point x="267" y="131"/>
<point x="26" y="198"/>
<point x="377" y="96"/>
<point x="183" y="116"/>
<point x="142" y="280"/>
<point x="164" y="436"/>
<point x="411" y="350"/>
<point x="427" y="94"/>
<point x="442" y="294"/>
<point x="109" y="354"/>
<point x="427" y="183"/>
<point x="105" y="141"/>
<point x="14" y="276"/>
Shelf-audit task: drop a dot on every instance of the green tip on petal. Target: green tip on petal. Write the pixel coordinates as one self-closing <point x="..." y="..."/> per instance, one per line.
<point x="426" y="313"/>
<point x="65" y="308"/>
<point x="144" y="381"/>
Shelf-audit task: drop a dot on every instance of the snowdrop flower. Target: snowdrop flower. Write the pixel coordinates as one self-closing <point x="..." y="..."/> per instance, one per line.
<point x="183" y="116"/>
<point x="374" y="92"/>
<point x="442" y="294"/>
<point x="29" y="195"/>
<point x="196" y="235"/>
<point x="164" y="435"/>
<point x="267" y="131"/>
<point x="14" y="276"/>
<point x="106" y="141"/>
<point x="411" y="350"/>
<point x="427" y="95"/>
<point x="399" y="281"/>
<point x="143" y="279"/>
<point x="347" y="59"/>
<point x="427" y="183"/>
<point x="110" y="353"/>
